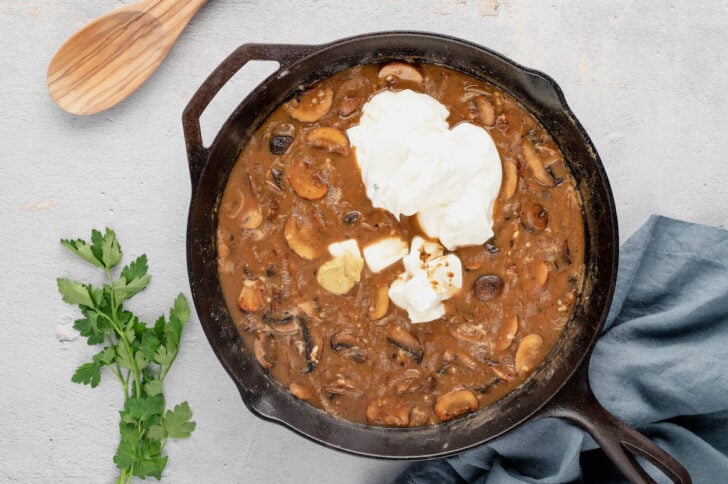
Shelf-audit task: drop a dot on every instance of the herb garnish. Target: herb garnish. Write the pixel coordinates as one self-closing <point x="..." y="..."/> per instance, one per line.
<point x="138" y="355"/>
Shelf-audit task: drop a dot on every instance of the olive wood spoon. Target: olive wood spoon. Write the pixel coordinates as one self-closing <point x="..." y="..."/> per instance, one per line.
<point x="109" y="58"/>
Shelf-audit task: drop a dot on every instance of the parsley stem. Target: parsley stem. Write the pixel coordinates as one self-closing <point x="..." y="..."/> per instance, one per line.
<point x="123" y="477"/>
<point x="122" y="334"/>
<point x="116" y="325"/>
<point x="121" y="380"/>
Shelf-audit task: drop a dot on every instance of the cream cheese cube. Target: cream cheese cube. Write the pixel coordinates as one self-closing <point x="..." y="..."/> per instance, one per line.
<point x="384" y="252"/>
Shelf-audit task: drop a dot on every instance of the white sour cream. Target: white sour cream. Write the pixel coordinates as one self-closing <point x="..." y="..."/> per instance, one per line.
<point x="429" y="278"/>
<point x="412" y="163"/>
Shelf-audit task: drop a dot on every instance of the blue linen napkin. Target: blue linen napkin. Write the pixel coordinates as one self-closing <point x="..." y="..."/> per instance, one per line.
<point x="661" y="365"/>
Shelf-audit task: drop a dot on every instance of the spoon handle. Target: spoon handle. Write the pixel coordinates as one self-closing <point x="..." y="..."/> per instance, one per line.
<point x="174" y="14"/>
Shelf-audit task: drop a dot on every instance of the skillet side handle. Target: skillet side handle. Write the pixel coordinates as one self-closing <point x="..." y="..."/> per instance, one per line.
<point x="285" y="54"/>
<point x="576" y="402"/>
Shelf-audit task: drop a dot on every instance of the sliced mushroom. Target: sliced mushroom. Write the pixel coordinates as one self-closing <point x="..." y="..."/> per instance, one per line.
<point x="307" y="181"/>
<point x="381" y="303"/>
<point x="250" y="324"/>
<point x="342" y="387"/>
<point x="488" y="287"/>
<point x="312" y="105"/>
<point x="277" y="176"/>
<point x="486" y="111"/>
<point x="351" y="94"/>
<point x="310" y="308"/>
<point x="501" y="122"/>
<point x="251" y="296"/>
<point x="265" y="349"/>
<point x="251" y="218"/>
<point x="314" y="345"/>
<point x="285" y="325"/>
<point x="420" y="415"/>
<point x="348" y="105"/>
<point x="401" y="71"/>
<point x="540" y="271"/>
<point x="406" y="341"/>
<point x="501" y="370"/>
<point x="429" y="386"/>
<point x="348" y="346"/>
<point x="329" y="139"/>
<point x="301" y="237"/>
<point x="345" y="340"/>
<point x="469" y="331"/>
<point x="232" y="204"/>
<point x="466" y="360"/>
<point x="408" y="382"/>
<point x="510" y="179"/>
<point x="535" y="163"/>
<point x="447" y="359"/>
<point x="300" y="391"/>
<point x="534" y="217"/>
<point x="528" y="353"/>
<point x="388" y="412"/>
<point x="455" y="403"/>
<point x="549" y="155"/>
<point x="245" y="210"/>
<point x="506" y="333"/>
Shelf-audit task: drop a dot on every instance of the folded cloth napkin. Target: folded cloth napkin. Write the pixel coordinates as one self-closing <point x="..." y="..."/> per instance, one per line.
<point x="661" y="365"/>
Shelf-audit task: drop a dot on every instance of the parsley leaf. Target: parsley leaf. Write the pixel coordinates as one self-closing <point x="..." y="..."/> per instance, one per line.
<point x="88" y="374"/>
<point x="110" y="250"/>
<point x="74" y="292"/>
<point x="162" y="357"/>
<point x="153" y="387"/>
<point x="150" y="466"/>
<point x="150" y="344"/>
<point x="126" y="452"/>
<point x="134" y="278"/>
<point x="138" y="355"/>
<point x="83" y="250"/>
<point x="143" y="408"/>
<point x="136" y="269"/>
<point x="178" y="423"/>
<point x="180" y="311"/>
<point x="92" y="327"/>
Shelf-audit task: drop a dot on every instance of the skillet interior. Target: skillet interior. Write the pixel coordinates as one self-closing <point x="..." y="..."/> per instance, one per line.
<point x="537" y="93"/>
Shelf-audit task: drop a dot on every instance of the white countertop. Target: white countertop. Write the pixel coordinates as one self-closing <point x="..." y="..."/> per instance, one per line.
<point x="646" y="79"/>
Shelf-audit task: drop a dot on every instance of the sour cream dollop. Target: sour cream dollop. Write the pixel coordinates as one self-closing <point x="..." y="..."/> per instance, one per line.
<point x="430" y="277"/>
<point x="413" y="163"/>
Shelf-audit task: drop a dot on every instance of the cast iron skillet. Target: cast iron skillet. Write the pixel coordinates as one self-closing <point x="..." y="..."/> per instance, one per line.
<point x="559" y="388"/>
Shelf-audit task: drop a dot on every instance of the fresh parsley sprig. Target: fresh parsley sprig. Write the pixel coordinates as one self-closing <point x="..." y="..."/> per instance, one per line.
<point x="139" y="356"/>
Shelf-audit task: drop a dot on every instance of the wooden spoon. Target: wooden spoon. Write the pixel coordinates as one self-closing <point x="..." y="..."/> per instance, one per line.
<point x="104" y="62"/>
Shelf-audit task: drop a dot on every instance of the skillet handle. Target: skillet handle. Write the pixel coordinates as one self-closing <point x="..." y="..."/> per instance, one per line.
<point x="285" y="54"/>
<point x="576" y="402"/>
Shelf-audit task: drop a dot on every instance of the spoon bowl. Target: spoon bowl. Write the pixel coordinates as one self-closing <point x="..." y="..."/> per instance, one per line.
<point x="108" y="59"/>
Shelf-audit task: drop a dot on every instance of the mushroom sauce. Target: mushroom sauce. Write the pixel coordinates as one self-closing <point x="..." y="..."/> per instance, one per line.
<point x="296" y="188"/>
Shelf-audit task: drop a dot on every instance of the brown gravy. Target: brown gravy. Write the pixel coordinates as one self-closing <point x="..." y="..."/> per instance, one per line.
<point x="357" y="355"/>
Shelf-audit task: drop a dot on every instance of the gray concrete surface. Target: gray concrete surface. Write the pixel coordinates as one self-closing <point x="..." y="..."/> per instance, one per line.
<point x="647" y="80"/>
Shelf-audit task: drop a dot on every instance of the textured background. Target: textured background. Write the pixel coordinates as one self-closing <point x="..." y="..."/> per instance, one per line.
<point x="647" y="80"/>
